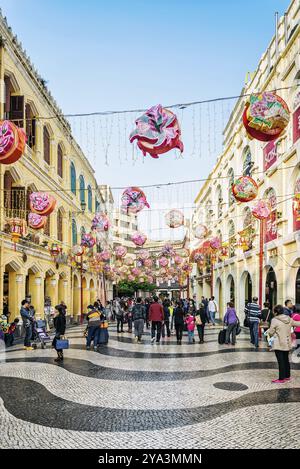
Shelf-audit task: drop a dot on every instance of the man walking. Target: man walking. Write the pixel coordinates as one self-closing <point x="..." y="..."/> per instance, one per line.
<point x="166" y="323"/>
<point x="253" y="313"/>
<point x="138" y="317"/>
<point x="27" y="323"/>
<point x="212" y="310"/>
<point x="156" y="316"/>
<point x="288" y="308"/>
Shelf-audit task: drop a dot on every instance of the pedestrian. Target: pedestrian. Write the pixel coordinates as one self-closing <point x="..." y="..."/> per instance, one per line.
<point x="280" y="329"/>
<point x="231" y="321"/>
<point x="204" y="301"/>
<point x="119" y="312"/>
<point x="288" y="308"/>
<point x="253" y="314"/>
<point x="128" y="314"/>
<point x="27" y="319"/>
<point x="190" y="322"/>
<point x="60" y="329"/>
<point x="200" y="321"/>
<point x="156" y="316"/>
<point x="93" y="330"/>
<point x="139" y="317"/>
<point x="266" y="317"/>
<point x="212" y="310"/>
<point x="179" y="321"/>
<point x="9" y="337"/>
<point x="296" y="317"/>
<point x="63" y="306"/>
<point x="166" y="323"/>
<point x="147" y="307"/>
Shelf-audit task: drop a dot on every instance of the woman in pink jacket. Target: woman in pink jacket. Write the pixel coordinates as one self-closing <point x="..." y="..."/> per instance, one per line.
<point x="190" y="322"/>
<point x="296" y="317"/>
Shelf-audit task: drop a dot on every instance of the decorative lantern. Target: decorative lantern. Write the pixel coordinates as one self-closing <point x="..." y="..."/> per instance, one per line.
<point x="135" y="271"/>
<point x="296" y="205"/>
<point x="120" y="252"/>
<point x="143" y="254"/>
<point x="200" y="232"/>
<point x="17" y="229"/>
<point x="215" y="243"/>
<point x="100" y="222"/>
<point x="163" y="262"/>
<point x="174" y="218"/>
<point x="42" y="203"/>
<point x="148" y="263"/>
<point x="131" y="278"/>
<point x="178" y="259"/>
<point x="77" y="250"/>
<point x="133" y="200"/>
<point x="244" y="240"/>
<point x="168" y="251"/>
<point x="244" y="189"/>
<point x="265" y="116"/>
<point x="105" y="255"/>
<point x="138" y="238"/>
<point x="187" y="267"/>
<point x="88" y="241"/>
<point x="36" y="222"/>
<point x="223" y="254"/>
<point x="157" y="131"/>
<point x="12" y="142"/>
<point x="55" y="250"/>
<point x="128" y="261"/>
<point x="261" y="210"/>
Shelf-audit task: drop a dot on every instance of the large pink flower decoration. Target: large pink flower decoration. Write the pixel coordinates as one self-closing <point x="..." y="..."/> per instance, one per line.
<point x="138" y="238"/>
<point x="100" y="222"/>
<point x="133" y="200"/>
<point x="163" y="262"/>
<point x="261" y="210"/>
<point x="120" y="252"/>
<point x="215" y="243"/>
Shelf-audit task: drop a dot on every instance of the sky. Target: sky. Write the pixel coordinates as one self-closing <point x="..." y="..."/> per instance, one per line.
<point x="100" y="55"/>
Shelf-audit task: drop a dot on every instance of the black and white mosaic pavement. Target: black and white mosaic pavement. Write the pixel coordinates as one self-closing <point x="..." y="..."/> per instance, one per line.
<point x="131" y="395"/>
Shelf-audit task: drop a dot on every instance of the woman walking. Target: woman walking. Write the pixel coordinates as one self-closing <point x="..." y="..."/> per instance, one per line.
<point x="179" y="321"/>
<point x="60" y="329"/>
<point x="190" y="322"/>
<point x="280" y="329"/>
<point x="200" y="320"/>
<point x="296" y="317"/>
<point x="231" y="321"/>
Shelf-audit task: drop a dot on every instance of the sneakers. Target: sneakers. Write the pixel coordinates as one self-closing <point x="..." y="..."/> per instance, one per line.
<point x="136" y="340"/>
<point x="288" y="379"/>
<point x="29" y="348"/>
<point x="152" y="340"/>
<point x="278" y="381"/>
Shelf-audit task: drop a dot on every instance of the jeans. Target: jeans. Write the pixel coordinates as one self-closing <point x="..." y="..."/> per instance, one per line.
<point x="283" y="364"/>
<point x="179" y="331"/>
<point x="231" y="331"/>
<point x="28" y="334"/>
<point x="297" y="339"/>
<point x="93" y="334"/>
<point x="200" y="329"/>
<point x="191" y="336"/>
<point x="212" y="315"/>
<point x="9" y="340"/>
<point x="254" y="333"/>
<point x="167" y="326"/>
<point x="119" y="322"/>
<point x="138" y="328"/>
<point x="130" y="324"/>
<point x="156" y="325"/>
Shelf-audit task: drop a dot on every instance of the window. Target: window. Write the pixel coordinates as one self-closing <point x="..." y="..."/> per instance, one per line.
<point x="231" y="238"/>
<point x="82" y="188"/>
<point x="230" y="182"/>
<point x="73" y="178"/>
<point x="60" y="160"/>
<point x="30" y="126"/>
<point x="74" y="232"/>
<point x="47" y="227"/>
<point x="90" y="199"/>
<point x="97" y="205"/>
<point x="219" y="202"/>
<point x="247" y="163"/>
<point x="16" y="113"/>
<point x="59" y="225"/>
<point x="46" y="142"/>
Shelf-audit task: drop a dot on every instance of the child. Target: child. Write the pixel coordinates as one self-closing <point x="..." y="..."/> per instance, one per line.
<point x="190" y="322"/>
<point x="9" y="337"/>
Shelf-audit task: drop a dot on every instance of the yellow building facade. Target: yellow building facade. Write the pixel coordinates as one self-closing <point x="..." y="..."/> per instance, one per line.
<point x="52" y="162"/>
<point x="276" y="169"/>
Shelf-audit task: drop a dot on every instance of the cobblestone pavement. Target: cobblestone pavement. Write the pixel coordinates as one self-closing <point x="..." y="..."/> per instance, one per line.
<point x="131" y="395"/>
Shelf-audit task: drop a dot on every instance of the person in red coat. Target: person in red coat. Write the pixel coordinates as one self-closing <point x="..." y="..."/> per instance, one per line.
<point x="156" y="316"/>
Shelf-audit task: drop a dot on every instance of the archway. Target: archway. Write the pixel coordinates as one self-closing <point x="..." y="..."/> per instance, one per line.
<point x="76" y="301"/>
<point x="61" y="288"/>
<point x="93" y="293"/>
<point x="248" y="288"/>
<point x="219" y="297"/>
<point x="297" y="287"/>
<point x="230" y="289"/>
<point x="271" y="287"/>
<point x="86" y="296"/>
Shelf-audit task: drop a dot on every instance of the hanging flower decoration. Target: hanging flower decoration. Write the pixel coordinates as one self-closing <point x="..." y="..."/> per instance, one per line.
<point x="157" y="131"/>
<point x="100" y="222"/>
<point x="105" y="255"/>
<point x="200" y="231"/>
<point x="36" y="222"/>
<point x="17" y="228"/>
<point x="215" y="243"/>
<point x="128" y="261"/>
<point x="261" y="210"/>
<point x="88" y="241"/>
<point x="265" y="116"/>
<point x="12" y="142"/>
<point x="131" y="278"/>
<point x="174" y="218"/>
<point x="223" y="254"/>
<point x="138" y="238"/>
<point x="42" y="203"/>
<point x="120" y="252"/>
<point x="163" y="261"/>
<point x="244" y="189"/>
<point x="168" y="251"/>
<point x="77" y="250"/>
<point x="143" y="254"/>
<point x="296" y="205"/>
<point x="187" y="267"/>
<point x="148" y="263"/>
<point x="178" y="259"/>
<point x="133" y="200"/>
<point x="136" y="271"/>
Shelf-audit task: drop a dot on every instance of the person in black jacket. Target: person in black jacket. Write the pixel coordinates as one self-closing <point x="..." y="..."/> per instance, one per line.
<point x="179" y="321"/>
<point x="166" y="323"/>
<point x="60" y="329"/>
<point x="201" y="319"/>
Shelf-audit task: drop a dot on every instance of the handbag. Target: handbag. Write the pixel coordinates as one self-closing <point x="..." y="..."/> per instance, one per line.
<point x="104" y="325"/>
<point x="265" y="324"/>
<point x="246" y="321"/>
<point x="198" y="321"/>
<point x="62" y="343"/>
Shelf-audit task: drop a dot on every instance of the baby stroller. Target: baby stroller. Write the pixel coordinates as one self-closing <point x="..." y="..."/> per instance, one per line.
<point x="40" y="334"/>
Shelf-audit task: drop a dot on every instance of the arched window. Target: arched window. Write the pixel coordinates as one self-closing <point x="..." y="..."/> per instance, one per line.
<point x="247" y="163"/>
<point x="90" y="199"/>
<point x="59" y="161"/>
<point x="82" y="231"/>
<point x="219" y="202"/>
<point x="74" y="232"/>
<point x="296" y="206"/>
<point x="271" y="222"/>
<point x="59" y="225"/>
<point x="231" y="238"/>
<point x="230" y="182"/>
<point x="97" y="205"/>
<point x="73" y="178"/>
<point x="82" y="189"/>
<point x="46" y="142"/>
<point x="30" y="125"/>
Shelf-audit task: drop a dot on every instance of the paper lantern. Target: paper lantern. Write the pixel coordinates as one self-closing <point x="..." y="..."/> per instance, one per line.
<point x="223" y="254"/>
<point x="17" y="229"/>
<point x="77" y="250"/>
<point x="87" y="240"/>
<point x="200" y="231"/>
<point x="100" y="222"/>
<point x="120" y="252"/>
<point x="12" y="142"/>
<point x="215" y="243"/>
<point x="265" y="116"/>
<point x="138" y="238"/>
<point x="36" y="221"/>
<point x="244" y="189"/>
<point x="261" y="210"/>
<point x="42" y="203"/>
<point x="163" y="262"/>
<point x="133" y="200"/>
<point x="174" y="218"/>
<point x="296" y="205"/>
<point x="157" y="132"/>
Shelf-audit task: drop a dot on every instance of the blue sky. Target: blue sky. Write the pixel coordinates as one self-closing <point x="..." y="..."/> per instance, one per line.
<point x="105" y="55"/>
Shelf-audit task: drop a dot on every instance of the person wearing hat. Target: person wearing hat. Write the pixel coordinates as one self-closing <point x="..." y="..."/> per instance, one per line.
<point x="94" y="321"/>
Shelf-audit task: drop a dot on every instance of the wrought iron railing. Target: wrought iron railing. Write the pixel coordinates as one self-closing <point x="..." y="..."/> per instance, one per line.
<point x="15" y="203"/>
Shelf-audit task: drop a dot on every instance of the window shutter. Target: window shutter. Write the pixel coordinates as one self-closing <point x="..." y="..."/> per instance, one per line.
<point x="47" y="227"/>
<point x="16" y="113"/>
<point x="30" y="126"/>
<point x="46" y="140"/>
<point x="59" y="161"/>
<point x="59" y="226"/>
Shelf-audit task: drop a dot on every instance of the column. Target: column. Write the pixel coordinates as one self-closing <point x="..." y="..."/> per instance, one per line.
<point x="36" y="289"/>
<point x="16" y="292"/>
<point x="52" y="288"/>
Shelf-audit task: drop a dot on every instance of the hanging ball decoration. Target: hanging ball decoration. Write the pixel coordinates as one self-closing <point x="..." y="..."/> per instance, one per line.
<point x="136" y="272"/>
<point x="120" y="252"/>
<point x="133" y="200"/>
<point x="178" y="260"/>
<point x="168" y="251"/>
<point x="12" y="142"/>
<point x="143" y="254"/>
<point x="77" y="250"/>
<point x="265" y="116"/>
<point x="128" y="261"/>
<point x="88" y="241"/>
<point x="157" y="131"/>
<point x="261" y="210"/>
<point x="148" y="262"/>
<point x="105" y="255"/>
<point x="215" y="243"/>
<point x="138" y="238"/>
<point x="163" y="261"/>
<point x="174" y="218"/>
<point x="200" y="231"/>
<point x="244" y="189"/>
<point x="100" y="222"/>
<point x="42" y="203"/>
<point x="36" y="221"/>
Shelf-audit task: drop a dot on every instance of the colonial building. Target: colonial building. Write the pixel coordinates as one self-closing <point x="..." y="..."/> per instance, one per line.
<point x="276" y="168"/>
<point x="52" y="162"/>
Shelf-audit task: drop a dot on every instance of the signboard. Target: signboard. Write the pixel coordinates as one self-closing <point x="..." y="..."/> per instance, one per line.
<point x="296" y="125"/>
<point x="270" y="227"/>
<point x="270" y="155"/>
